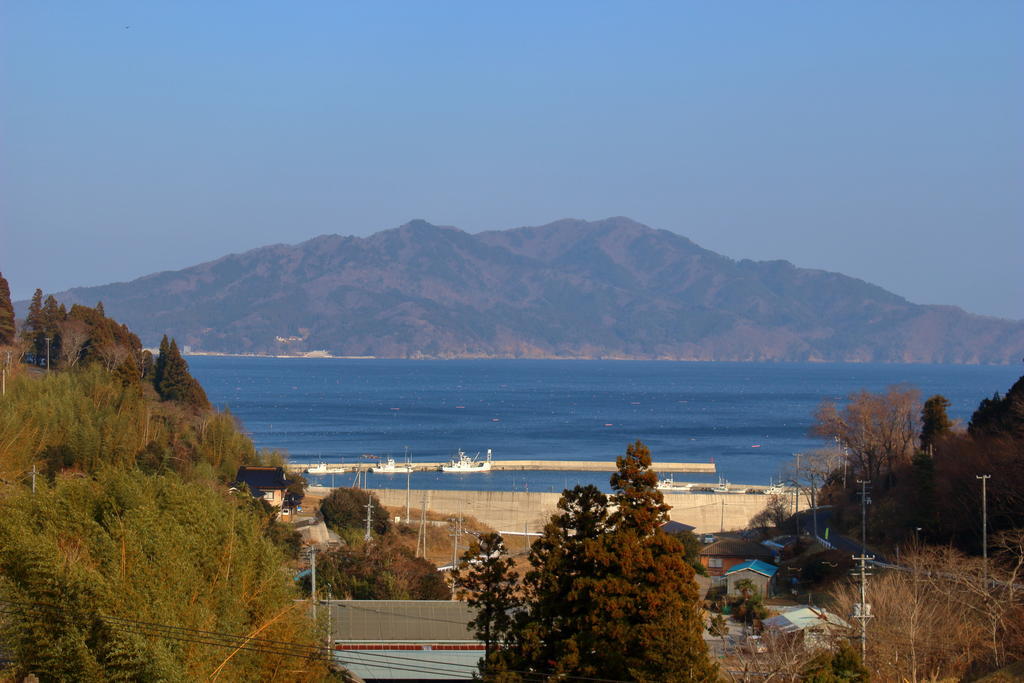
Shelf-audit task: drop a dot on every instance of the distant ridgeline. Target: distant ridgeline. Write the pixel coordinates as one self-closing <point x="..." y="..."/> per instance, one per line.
<point x="571" y="289"/>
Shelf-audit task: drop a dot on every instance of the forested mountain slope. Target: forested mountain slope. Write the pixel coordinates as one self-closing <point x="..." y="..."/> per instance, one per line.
<point x="571" y="289"/>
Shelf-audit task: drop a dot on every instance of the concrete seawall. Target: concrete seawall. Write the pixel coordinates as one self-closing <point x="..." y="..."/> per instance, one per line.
<point x="518" y="510"/>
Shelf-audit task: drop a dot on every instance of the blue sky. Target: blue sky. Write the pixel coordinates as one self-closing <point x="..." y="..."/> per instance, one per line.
<point x="881" y="140"/>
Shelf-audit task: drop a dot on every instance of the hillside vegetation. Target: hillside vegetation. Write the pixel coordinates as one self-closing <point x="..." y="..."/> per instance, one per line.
<point x="124" y="555"/>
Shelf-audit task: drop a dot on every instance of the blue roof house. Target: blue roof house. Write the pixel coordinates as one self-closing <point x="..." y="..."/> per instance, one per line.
<point x="760" y="574"/>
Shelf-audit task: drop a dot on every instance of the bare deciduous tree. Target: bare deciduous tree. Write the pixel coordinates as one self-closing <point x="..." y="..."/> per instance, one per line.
<point x="73" y="334"/>
<point x="937" y="617"/>
<point x="112" y="355"/>
<point x="878" y="430"/>
<point x="774" y="515"/>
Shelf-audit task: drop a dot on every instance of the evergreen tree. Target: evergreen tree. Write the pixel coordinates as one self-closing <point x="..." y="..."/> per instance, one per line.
<point x="487" y="575"/>
<point x="926" y="505"/>
<point x="556" y="629"/>
<point x="176" y="384"/>
<point x="345" y="508"/>
<point x="7" y="327"/>
<point x="33" y="321"/>
<point x="935" y="423"/>
<point x="51" y="317"/>
<point x="1000" y="415"/>
<point x="648" y="601"/>
<point x="841" y="666"/>
<point x="610" y="596"/>
<point x="99" y="309"/>
<point x="161" y="362"/>
<point x="33" y="330"/>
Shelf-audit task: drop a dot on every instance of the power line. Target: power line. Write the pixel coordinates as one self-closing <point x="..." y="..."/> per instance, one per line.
<point x="252" y="644"/>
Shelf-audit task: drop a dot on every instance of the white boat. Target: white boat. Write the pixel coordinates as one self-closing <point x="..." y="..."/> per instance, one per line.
<point x="671" y="485"/>
<point x="389" y="466"/>
<point x="723" y="487"/>
<point x="464" y="463"/>
<point x="319" y="468"/>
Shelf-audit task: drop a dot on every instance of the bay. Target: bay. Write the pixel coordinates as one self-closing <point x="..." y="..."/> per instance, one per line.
<point x="748" y="418"/>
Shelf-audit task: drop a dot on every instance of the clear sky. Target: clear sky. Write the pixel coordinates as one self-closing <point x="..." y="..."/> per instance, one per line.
<point x="882" y="140"/>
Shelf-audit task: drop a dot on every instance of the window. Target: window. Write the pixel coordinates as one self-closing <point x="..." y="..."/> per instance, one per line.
<point x="715" y="562"/>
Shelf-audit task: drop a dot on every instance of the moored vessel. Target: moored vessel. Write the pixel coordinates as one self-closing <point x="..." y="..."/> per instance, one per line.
<point x="389" y="466"/>
<point x="465" y="463"/>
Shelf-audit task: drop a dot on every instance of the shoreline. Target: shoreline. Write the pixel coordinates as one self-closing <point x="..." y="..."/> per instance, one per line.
<point x="316" y="355"/>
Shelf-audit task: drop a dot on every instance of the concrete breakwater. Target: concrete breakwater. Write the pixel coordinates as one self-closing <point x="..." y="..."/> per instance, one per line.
<point x="513" y="465"/>
<point x="520" y="511"/>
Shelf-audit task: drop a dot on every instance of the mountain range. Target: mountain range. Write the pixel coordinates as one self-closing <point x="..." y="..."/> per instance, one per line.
<point x="611" y="288"/>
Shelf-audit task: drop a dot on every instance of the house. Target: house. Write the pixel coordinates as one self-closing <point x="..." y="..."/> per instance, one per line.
<point x="760" y="574"/>
<point x="726" y="553"/>
<point x="387" y="640"/>
<point x="672" y="527"/>
<point x="780" y="546"/>
<point x="268" y="483"/>
<point x="815" y="627"/>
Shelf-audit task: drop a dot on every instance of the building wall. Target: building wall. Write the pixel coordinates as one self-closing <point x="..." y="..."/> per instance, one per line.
<point x="273" y="496"/>
<point x="516" y="510"/>
<point x="423" y="663"/>
<point x="727" y="563"/>
<point x="760" y="581"/>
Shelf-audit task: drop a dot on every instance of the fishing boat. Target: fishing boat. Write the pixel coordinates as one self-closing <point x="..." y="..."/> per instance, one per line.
<point x="319" y="468"/>
<point x="464" y="463"/>
<point x="723" y="487"/>
<point x="671" y="486"/>
<point x="389" y="466"/>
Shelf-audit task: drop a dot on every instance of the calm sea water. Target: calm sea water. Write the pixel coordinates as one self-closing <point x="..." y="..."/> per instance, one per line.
<point x="749" y="418"/>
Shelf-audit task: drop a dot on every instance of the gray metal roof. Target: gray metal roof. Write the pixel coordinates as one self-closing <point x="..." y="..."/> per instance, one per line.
<point x="401" y="621"/>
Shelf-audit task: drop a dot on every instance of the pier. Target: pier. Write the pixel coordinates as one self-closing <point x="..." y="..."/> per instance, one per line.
<point x="518" y="466"/>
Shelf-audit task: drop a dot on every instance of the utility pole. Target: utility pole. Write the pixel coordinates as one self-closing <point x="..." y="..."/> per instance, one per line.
<point x="33" y="478"/>
<point x="796" y="481"/>
<point x="408" y="482"/>
<point x="312" y="578"/>
<point x="47" y="354"/>
<point x="422" y="537"/>
<point x="984" y="526"/>
<point x="862" y="610"/>
<point x="369" y="517"/>
<point x="864" y="500"/>
<point x="455" y="552"/>
<point x="814" y="504"/>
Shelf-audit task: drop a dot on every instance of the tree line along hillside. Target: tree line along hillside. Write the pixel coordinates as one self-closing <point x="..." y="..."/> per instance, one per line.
<point x="923" y="470"/>
<point x="124" y="553"/>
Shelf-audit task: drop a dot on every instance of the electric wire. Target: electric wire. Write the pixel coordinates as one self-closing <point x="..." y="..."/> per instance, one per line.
<point x="255" y="644"/>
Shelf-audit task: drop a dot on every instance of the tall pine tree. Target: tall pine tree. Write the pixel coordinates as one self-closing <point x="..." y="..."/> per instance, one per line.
<point x="7" y="328"/>
<point x="608" y="596"/>
<point x="648" y="602"/>
<point x="160" y="363"/>
<point x="175" y="382"/>
<point x="935" y="423"/>
<point x="53" y="314"/>
<point x="32" y="333"/>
